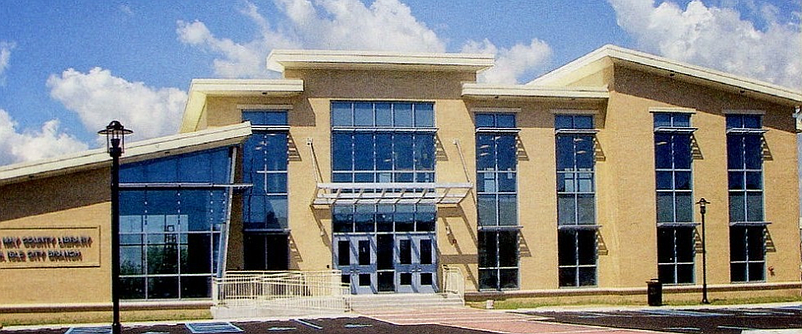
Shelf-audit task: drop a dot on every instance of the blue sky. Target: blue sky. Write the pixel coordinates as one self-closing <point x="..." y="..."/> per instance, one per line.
<point x="69" y="67"/>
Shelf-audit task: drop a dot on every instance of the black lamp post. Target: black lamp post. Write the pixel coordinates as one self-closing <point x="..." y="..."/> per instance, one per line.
<point x="115" y="144"/>
<point x="703" y="210"/>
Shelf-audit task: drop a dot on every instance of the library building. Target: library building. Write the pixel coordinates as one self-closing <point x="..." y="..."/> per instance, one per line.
<point x="382" y="173"/>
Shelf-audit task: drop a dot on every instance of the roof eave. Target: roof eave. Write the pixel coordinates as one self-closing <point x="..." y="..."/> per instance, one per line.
<point x="135" y="151"/>
<point x="200" y="89"/>
<point x="280" y="60"/>
<point x="488" y="91"/>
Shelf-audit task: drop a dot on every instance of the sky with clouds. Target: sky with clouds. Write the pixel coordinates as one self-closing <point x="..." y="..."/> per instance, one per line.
<point x="69" y="67"/>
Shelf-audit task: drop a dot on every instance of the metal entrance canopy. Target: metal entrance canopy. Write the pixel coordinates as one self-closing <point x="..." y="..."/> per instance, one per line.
<point x="390" y="193"/>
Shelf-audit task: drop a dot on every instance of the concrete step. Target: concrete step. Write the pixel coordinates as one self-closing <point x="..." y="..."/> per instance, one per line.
<point x="383" y="302"/>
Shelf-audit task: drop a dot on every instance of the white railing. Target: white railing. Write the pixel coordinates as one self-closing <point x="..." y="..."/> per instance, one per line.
<point x="453" y="282"/>
<point x="286" y="292"/>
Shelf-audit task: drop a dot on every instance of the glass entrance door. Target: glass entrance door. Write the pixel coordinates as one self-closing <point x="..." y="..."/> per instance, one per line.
<point x="416" y="270"/>
<point x="355" y="256"/>
<point x="386" y="263"/>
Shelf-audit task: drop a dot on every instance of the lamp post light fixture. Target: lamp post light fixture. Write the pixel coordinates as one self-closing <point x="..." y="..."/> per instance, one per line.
<point x="703" y="210"/>
<point x="115" y="144"/>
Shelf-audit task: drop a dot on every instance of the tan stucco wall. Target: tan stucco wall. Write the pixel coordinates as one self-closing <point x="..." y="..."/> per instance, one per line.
<point x="69" y="201"/>
<point x="624" y="171"/>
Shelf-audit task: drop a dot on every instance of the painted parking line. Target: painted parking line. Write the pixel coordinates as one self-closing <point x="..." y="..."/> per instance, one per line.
<point x="281" y="329"/>
<point x="308" y="324"/>
<point x="684" y="329"/>
<point x="89" y="330"/>
<point x="683" y="313"/>
<point x="212" y="327"/>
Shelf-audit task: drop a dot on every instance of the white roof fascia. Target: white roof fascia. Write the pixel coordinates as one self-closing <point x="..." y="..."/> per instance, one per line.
<point x="279" y="60"/>
<point x="477" y="90"/>
<point x="657" y="62"/>
<point x="135" y="151"/>
<point x="200" y="88"/>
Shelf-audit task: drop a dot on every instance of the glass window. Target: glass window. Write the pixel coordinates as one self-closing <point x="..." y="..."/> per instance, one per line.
<point x="747" y="253"/>
<point x="496" y="159"/>
<point x="265" y="159"/>
<point x="675" y="254"/>
<point x="577" y="256"/>
<point x="745" y="170"/>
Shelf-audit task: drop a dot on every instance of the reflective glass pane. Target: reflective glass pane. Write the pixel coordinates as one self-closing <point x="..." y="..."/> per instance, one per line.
<point x="586" y="241"/>
<point x="342" y="154"/>
<point x="485" y="148"/>
<point x="736" y="180"/>
<point x="753" y="152"/>
<point x="756" y="242"/>
<point x="754" y="206"/>
<point x="132" y="288"/>
<point x="363" y="114"/>
<point x="487" y="249"/>
<point x="665" y="207"/>
<point x="662" y="119"/>
<point x="665" y="273"/>
<point x="405" y="251"/>
<point x="566" y="243"/>
<point x="583" y="122"/>
<point x="662" y="151"/>
<point x="196" y="287"/>
<point x="196" y="256"/>
<point x="735" y="121"/>
<point x="341" y="114"/>
<point x="488" y="278"/>
<point x="566" y="210"/>
<point x="132" y="260"/>
<point x="735" y="152"/>
<point x="738" y="272"/>
<point x="665" y="245"/>
<point x="686" y="244"/>
<point x="363" y="252"/>
<point x="757" y="271"/>
<point x="752" y="121"/>
<point x="737" y="243"/>
<point x="424" y="152"/>
<point x="565" y="153"/>
<point x="682" y="151"/>
<point x="507" y="210"/>
<point x="568" y="276"/>
<point x="386" y="281"/>
<point x="587" y="276"/>
<point x="364" y="158"/>
<point x="426" y="251"/>
<point x="563" y="122"/>
<point x="754" y="180"/>
<point x="424" y="115"/>
<point x="585" y="182"/>
<point x="737" y="207"/>
<point x="506" y="181"/>
<point x="685" y="273"/>
<point x="402" y="114"/>
<point x="508" y="248"/>
<point x="681" y="120"/>
<point x="343" y="253"/>
<point x="487" y="210"/>
<point x="485" y="120"/>
<point x="665" y="180"/>
<point x="584" y="152"/>
<point x="682" y="180"/>
<point x="505" y="120"/>
<point x="384" y="151"/>
<point x="486" y="182"/>
<point x="506" y="152"/>
<point x="586" y="209"/>
<point x="684" y="207"/>
<point x="275" y="158"/>
<point x="508" y="278"/>
<point x="403" y="151"/>
<point x="384" y="115"/>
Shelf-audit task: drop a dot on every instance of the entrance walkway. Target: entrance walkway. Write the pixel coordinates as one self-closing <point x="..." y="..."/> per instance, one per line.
<point x="487" y="320"/>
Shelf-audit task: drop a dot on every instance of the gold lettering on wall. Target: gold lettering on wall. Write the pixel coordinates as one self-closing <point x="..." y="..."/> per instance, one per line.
<point x="49" y="247"/>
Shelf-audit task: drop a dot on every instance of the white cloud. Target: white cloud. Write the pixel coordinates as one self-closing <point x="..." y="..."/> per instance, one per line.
<point x="717" y="38"/>
<point x="321" y="24"/>
<point x="5" y="57"/>
<point x="99" y="97"/>
<point x="26" y="145"/>
<point x="513" y="63"/>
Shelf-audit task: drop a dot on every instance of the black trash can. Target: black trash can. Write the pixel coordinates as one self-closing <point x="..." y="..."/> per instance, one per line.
<point x="654" y="291"/>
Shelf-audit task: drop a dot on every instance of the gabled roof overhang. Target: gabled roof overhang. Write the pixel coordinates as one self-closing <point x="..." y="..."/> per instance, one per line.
<point x="610" y="55"/>
<point x="479" y="91"/>
<point x="200" y="89"/>
<point x="135" y="151"/>
<point x="280" y="60"/>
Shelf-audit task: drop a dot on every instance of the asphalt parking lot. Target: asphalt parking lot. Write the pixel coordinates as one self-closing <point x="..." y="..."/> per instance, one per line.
<point x="359" y="325"/>
<point x="697" y="320"/>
